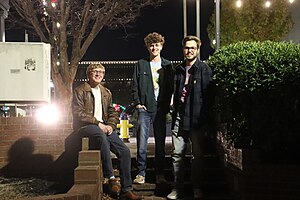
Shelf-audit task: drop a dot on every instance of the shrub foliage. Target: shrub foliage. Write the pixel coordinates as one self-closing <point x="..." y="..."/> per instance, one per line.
<point x="258" y="96"/>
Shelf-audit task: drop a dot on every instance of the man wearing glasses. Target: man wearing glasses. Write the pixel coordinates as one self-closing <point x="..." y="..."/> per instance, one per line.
<point x="95" y="117"/>
<point x="190" y="115"/>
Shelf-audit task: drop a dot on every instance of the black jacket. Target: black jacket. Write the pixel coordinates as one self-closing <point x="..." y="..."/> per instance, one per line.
<point x="197" y="109"/>
<point x="142" y="86"/>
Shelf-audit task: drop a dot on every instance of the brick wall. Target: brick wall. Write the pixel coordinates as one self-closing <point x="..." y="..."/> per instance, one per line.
<point x="27" y="144"/>
<point x="88" y="180"/>
<point x="250" y="177"/>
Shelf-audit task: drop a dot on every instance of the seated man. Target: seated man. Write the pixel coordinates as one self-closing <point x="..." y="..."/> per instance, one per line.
<point x="95" y="117"/>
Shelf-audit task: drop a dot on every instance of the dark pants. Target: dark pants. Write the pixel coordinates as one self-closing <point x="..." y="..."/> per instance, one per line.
<point x="180" y="141"/>
<point x="160" y="141"/>
<point x="106" y="144"/>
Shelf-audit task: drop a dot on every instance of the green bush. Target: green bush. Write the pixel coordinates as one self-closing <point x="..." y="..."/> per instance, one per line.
<point x="258" y="93"/>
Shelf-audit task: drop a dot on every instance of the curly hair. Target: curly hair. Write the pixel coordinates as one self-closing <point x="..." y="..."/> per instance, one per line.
<point x="154" y="38"/>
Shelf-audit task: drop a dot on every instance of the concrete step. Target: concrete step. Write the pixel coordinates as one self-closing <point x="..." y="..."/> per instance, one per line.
<point x="214" y="186"/>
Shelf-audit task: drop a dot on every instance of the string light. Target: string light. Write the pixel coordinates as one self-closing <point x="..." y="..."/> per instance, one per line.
<point x="239" y="3"/>
<point x="267" y="4"/>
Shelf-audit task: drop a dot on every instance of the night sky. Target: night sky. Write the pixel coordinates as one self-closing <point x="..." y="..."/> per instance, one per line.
<point x="167" y="20"/>
<point x="127" y="43"/>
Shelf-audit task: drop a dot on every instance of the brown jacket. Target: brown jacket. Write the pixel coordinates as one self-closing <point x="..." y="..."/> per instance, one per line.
<point x="83" y="107"/>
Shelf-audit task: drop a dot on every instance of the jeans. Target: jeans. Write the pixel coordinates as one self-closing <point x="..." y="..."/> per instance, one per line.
<point x="145" y="120"/>
<point x="180" y="141"/>
<point x="106" y="144"/>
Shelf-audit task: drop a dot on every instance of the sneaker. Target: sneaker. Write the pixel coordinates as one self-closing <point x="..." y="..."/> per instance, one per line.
<point x="139" y="179"/>
<point x="174" y="195"/>
<point x="198" y="194"/>
<point x="160" y="179"/>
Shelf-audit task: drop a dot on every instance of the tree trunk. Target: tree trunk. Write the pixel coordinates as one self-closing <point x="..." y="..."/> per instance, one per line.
<point x="63" y="82"/>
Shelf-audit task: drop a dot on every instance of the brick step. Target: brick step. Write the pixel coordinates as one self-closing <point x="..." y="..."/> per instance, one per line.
<point x="162" y="190"/>
<point x="146" y="189"/>
<point x="209" y="175"/>
<point x="214" y="184"/>
<point x="209" y="160"/>
<point x="212" y="169"/>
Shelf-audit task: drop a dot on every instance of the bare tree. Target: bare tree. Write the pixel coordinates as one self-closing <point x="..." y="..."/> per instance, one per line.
<point x="70" y="26"/>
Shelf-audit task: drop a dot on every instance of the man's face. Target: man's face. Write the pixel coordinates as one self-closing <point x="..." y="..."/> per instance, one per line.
<point x="96" y="76"/>
<point x="190" y="50"/>
<point x="154" y="49"/>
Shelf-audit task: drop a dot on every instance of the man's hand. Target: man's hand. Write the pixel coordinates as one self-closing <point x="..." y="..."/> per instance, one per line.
<point x="105" y="128"/>
<point x="102" y="127"/>
<point x="141" y="106"/>
<point x="109" y="130"/>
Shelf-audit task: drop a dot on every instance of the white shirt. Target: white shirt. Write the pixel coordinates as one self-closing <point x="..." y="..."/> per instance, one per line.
<point x="155" y="67"/>
<point x="97" y="103"/>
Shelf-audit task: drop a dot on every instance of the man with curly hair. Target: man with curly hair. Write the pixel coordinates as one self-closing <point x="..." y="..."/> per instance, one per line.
<point x="151" y="91"/>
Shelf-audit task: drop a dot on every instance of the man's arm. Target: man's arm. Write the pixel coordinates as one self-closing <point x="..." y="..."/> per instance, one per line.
<point x="112" y="117"/>
<point x="135" y="86"/>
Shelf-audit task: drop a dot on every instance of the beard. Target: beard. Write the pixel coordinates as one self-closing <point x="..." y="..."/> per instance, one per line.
<point x="191" y="58"/>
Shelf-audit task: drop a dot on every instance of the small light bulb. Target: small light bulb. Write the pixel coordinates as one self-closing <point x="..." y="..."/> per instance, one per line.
<point x="238" y="3"/>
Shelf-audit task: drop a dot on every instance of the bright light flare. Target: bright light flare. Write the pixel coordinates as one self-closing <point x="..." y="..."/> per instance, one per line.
<point x="239" y="3"/>
<point x="47" y="114"/>
<point x="268" y="4"/>
<point x="214" y="42"/>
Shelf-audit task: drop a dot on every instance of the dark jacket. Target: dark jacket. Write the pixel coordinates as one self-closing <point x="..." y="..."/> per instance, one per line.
<point x="83" y="107"/>
<point x="197" y="109"/>
<point x="142" y="86"/>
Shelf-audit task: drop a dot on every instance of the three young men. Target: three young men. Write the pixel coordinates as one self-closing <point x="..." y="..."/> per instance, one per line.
<point x="154" y="82"/>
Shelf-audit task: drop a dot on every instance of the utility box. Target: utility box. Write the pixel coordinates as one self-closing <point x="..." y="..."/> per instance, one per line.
<point x="25" y="72"/>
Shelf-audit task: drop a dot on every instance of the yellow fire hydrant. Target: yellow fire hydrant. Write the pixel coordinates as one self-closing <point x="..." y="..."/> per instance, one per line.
<point x="124" y="129"/>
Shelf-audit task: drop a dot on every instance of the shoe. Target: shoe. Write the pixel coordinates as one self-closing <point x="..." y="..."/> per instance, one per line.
<point x="114" y="186"/>
<point x="198" y="194"/>
<point x="129" y="195"/>
<point x="174" y="195"/>
<point x="160" y="179"/>
<point x="139" y="179"/>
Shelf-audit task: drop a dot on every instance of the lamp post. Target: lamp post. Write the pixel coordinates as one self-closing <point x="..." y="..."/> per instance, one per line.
<point x="217" y="2"/>
<point x="184" y="19"/>
<point x="198" y="22"/>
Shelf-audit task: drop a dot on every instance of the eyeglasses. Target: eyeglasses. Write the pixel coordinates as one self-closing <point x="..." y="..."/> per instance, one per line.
<point x="190" y="48"/>
<point x="98" y="72"/>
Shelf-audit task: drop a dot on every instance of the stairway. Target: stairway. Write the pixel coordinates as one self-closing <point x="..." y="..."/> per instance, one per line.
<point x="214" y="186"/>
